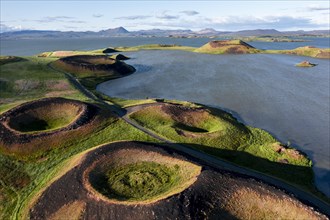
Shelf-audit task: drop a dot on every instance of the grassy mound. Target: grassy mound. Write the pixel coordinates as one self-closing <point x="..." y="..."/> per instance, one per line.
<point x="219" y="133"/>
<point x="305" y="51"/>
<point x="44" y="115"/>
<point x="136" y="176"/>
<point x="93" y="69"/>
<point x="227" y="47"/>
<point x="306" y="64"/>
<point x="9" y="59"/>
<point x="193" y="125"/>
<point x="66" y="53"/>
<point x="33" y="127"/>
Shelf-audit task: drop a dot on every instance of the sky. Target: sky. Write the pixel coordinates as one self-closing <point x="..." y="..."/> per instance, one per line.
<point x="283" y="15"/>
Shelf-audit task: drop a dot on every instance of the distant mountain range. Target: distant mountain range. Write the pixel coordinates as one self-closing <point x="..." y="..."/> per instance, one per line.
<point x="121" y="32"/>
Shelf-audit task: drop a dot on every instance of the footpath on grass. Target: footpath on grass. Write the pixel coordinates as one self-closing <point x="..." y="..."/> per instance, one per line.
<point x="304" y="196"/>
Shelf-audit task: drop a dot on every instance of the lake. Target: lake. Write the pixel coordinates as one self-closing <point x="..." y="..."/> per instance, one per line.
<point x="262" y="90"/>
<point x="35" y="46"/>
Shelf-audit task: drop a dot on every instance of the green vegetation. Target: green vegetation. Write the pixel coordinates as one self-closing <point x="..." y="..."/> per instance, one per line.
<point x="59" y="54"/>
<point x="32" y="79"/>
<point x="218" y="133"/>
<point x="124" y="103"/>
<point x="271" y="39"/>
<point x="9" y="59"/>
<point x="139" y="181"/>
<point x="304" y="51"/>
<point x="136" y="176"/>
<point x="24" y="176"/>
<point x="45" y="117"/>
<point x="306" y="64"/>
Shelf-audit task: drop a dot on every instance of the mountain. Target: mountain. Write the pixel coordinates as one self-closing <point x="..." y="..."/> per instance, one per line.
<point x="257" y="32"/>
<point x="40" y="34"/>
<point x="120" y="31"/>
<point x="114" y="31"/>
<point x="162" y="33"/>
<point x="313" y="32"/>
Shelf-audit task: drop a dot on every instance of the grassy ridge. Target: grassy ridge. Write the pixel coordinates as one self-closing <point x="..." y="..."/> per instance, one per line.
<point x="224" y="137"/>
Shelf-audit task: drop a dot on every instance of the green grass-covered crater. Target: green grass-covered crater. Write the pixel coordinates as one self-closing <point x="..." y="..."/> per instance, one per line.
<point x="138" y="177"/>
<point x="218" y="133"/>
<point x="45" y="115"/>
<point x="141" y="180"/>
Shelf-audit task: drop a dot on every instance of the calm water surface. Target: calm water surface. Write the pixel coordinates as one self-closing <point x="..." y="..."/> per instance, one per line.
<point x="32" y="47"/>
<point x="263" y="90"/>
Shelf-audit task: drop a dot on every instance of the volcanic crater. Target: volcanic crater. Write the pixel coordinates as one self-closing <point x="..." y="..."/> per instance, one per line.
<point x="209" y="193"/>
<point x="42" y="118"/>
<point x="93" y="63"/>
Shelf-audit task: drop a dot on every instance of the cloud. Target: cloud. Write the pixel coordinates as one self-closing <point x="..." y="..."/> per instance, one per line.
<point x="65" y="19"/>
<point x="133" y="17"/>
<point x="97" y="15"/>
<point x="232" y="23"/>
<point x="189" y="13"/>
<point x="7" y="28"/>
<point x="318" y="8"/>
<point x="167" y="17"/>
<point x="76" y="22"/>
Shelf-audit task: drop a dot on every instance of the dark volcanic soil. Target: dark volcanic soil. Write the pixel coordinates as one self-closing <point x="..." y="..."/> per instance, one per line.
<point x="96" y="63"/>
<point x="206" y="198"/>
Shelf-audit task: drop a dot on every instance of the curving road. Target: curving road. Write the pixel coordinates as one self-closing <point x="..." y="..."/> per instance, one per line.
<point x="304" y="196"/>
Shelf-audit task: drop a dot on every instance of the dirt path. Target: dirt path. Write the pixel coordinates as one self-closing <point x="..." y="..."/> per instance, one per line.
<point x="304" y="196"/>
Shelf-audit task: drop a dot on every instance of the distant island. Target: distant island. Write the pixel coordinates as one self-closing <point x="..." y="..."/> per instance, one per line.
<point x="212" y="47"/>
<point x="257" y="34"/>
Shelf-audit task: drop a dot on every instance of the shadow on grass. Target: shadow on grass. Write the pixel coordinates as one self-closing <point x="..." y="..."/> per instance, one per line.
<point x="299" y="175"/>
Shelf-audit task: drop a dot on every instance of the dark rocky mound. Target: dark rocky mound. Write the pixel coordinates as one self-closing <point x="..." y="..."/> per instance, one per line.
<point x="110" y="50"/>
<point x="222" y="43"/>
<point x="33" y="120"/>
<point x="119" y="57"/>
<point x="95" y="64"/>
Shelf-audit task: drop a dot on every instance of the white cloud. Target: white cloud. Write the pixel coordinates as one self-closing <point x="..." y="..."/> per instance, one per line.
<point x="190" y="13"/>
<point x="7" y="28"/>
<point x="239" y="23"/>
<point x="97" y="15"/>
